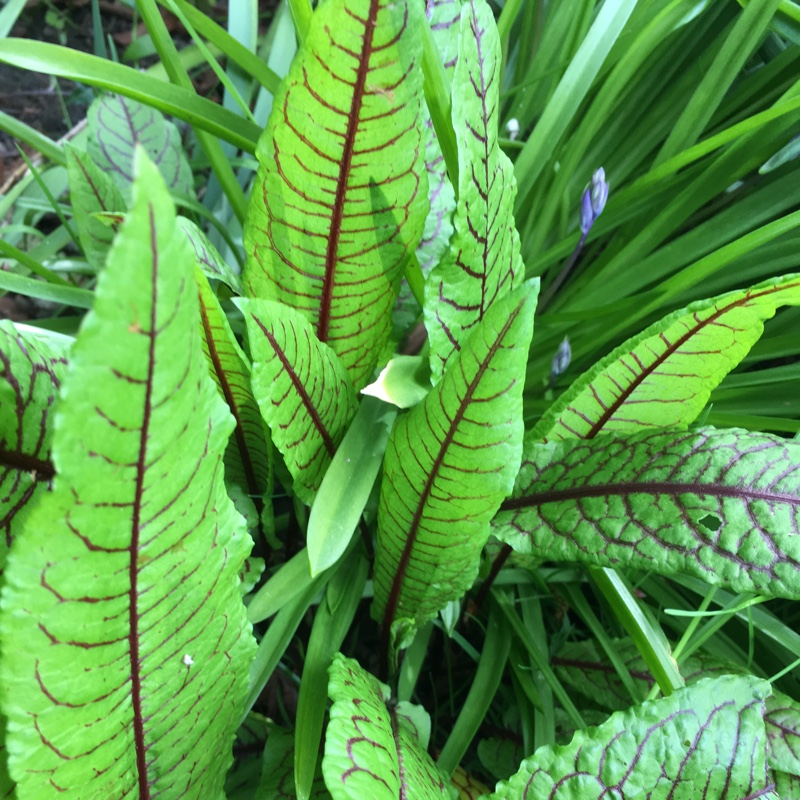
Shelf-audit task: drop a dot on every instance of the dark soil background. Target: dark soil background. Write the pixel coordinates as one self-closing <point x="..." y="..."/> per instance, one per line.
<point x="55" y="106"/>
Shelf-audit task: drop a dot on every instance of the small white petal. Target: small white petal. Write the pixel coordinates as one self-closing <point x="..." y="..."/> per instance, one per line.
<point x="188" y="660"/>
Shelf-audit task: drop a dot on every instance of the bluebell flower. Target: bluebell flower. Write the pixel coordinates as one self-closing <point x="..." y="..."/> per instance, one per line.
<point x="593" y="200"/>
<point x="560" y="360"/>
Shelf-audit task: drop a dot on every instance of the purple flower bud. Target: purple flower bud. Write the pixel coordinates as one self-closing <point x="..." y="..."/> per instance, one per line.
<point x="561" y="360"/>
<point x="593" y="200"/>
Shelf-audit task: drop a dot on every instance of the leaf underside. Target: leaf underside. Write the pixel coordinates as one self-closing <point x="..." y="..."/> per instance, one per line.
<point x="664" y="376"/>
<point x="370" y="750"/>
<point x="132" y="647"/>
<point x="92" y="192"/>
<point x="32" y="372"/>
<point x="449" y="463"/>
<point x="483" y="261"/>
<point x="704" y="742"/>
<point x="341" y="195"/>
<point x="723" y="505"/>
<point x="303" y="391"/>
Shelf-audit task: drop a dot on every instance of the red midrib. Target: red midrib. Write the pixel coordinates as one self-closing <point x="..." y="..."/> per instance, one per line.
<point x="400" y="572"/>
<point x="644" y="487"/>
<point x="634" y="384"/>
<point x="305" y="399"/>
<point x="324" y="321"/>
<point x="133" y="636"/>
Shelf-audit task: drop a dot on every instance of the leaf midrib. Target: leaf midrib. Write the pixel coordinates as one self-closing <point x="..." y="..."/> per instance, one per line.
<point x="405" y="557"/>
<point x="644" y="487"/>
<point x="16" y="459"/>
<point x="141" y="468"/>
<point x="299" y="388"/>
<point x="323" y="323"/>
<point x="670" y="351"/>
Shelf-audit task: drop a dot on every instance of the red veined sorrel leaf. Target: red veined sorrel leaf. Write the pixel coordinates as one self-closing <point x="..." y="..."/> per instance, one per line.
<point x="91" y="191"/>
<point x="248" y="459"/>
<point x="341" y="196"/>
<point x="664" y="376"/>
<point x="449" y="463"/>
<point x="371" y="750"/>
<point x="31" y="371"/>
<point x="117" y="125"/>
<point x="302" y="390"/>
<point x="132" y="647"/>
<point x="723" y="505"/>
<point x="704" y="742"/>
<point x="483" y="261"/>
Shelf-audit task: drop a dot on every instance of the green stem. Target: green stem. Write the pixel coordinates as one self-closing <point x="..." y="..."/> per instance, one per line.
<point x="301" y="12"/>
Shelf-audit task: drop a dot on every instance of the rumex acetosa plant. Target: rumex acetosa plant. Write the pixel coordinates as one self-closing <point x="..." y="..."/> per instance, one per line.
<point x="129" y="661"/>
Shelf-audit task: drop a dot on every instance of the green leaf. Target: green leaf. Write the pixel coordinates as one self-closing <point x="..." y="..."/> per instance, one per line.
<point x="723" y="506"/>
<point x="92" y="191"/>
<point x="483" y="261"/>
<point x="208" y="258"/>
<point x="341" y="195"/>
<point x="586" y="669"/>
<point x="664" y="376"/>
<point x="129" y="668"/>
<point x="469" y="787"/>
<point x="117" y="125"/>
<point x="277" y="771"/>
<point x="705" y="742"/>
<point x="32" y="371"/>
<point x="347" y="484"/>
<point x="248" y="458"/>
<point x="449" y="463"/>
<point x="782" y="721"/>
<point x="302" y="389"/>
<point x="370" y="749"/>
<point x="444" y="18"/>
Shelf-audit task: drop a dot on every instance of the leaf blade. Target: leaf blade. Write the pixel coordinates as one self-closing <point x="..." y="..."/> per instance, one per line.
<point x="660" y="364"/>
<point x="460" y="472"/>
<point x="369" y="751"/>
<point x="341" y="196"/>
<point x="721" y="505"/>
<point x="483" y="261"/>
<point x="32" y="373"/>
<point x="303" y="391"/>
<point x="702" y="741"/>
<point x="104" y="676"/>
